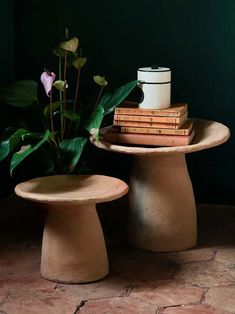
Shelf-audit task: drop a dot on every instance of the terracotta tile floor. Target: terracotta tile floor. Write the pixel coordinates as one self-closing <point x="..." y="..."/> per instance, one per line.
<point x="197" y="281"/>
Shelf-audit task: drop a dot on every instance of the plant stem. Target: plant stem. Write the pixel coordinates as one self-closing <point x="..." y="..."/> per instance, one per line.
<point x="64" y="96"/>
<point x="76" y="93"/>
<point x="51" y="116"/>
<point x="60" y="93"/>
<point x="75" y="98"/>
<point x="98" y="99"/>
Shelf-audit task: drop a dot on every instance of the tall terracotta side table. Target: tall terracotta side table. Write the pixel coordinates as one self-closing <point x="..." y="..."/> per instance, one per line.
<point x="73" y="247"/>
<point x="162" y="206"/>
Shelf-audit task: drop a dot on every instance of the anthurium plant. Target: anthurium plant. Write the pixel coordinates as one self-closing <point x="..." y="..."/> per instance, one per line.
<point x="64" y="122"/>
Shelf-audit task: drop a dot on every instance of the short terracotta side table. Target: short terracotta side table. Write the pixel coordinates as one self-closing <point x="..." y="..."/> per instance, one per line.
<point x="162" y="205"/>
<point x="73" y="247"/>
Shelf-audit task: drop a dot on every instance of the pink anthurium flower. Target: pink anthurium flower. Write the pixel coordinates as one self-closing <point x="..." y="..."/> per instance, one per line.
<point x="47" y="79"/>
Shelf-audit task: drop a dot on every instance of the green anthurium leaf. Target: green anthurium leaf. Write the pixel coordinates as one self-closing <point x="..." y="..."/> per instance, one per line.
<point x="110" y="102"/>
<point x="25" y="151"/>
<point x="33" y="135"/>
<point x="72" y="150"/>
<point x="95" y="119"/>
<point x="55" y="106"/>
<point x="9" y="143"/>
<point x="61" y="85"/>
<point x="58" y="51"/>
<point x="20" y="93"/>
<point x="70" y="45"/>
<point x="105" y="99"/>
<point x="100" y="80"/>
<point x="79" y="62"/>
<point x="56" y="112"/>
<point x="71" y="116"/>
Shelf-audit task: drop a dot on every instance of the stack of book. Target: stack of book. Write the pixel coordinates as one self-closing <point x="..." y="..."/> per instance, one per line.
<point x="155" y="127"/>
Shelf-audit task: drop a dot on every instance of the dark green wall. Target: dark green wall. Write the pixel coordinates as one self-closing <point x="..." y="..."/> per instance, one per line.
<point x="6" y="33"/>
<point x="195" y="38"/>
<point x="6" y="72"/>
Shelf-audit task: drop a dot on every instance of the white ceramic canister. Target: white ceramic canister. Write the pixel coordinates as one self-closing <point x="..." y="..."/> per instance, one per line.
<point x="155" y="83"/>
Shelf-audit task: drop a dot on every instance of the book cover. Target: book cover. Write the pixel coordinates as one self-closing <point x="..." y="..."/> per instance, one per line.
<point x="143" y="124"/>
<point x="185" y="129"/>
<point x="113" y="136"/>
<point x="176" y="110"/>
<point x="124" y="117"/>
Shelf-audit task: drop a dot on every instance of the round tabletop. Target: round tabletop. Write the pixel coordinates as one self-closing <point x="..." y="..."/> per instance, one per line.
<point x="72" y="189"/>
<point x="207" y="134"/>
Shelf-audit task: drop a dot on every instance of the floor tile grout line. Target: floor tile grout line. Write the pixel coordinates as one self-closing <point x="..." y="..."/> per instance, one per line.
<point x="205" y="290"/>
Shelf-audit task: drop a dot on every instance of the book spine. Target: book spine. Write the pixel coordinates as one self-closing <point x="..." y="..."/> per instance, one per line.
<point x="147" y="124"/>
<point x="155" y="131"/>
<point x="175" y="120"/>
<point x="147" y="139"/>
<point x="160" y="113"/>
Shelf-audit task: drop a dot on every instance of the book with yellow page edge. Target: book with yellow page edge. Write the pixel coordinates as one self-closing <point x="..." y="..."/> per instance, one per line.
<point x="185" y="129"/>
<point x="131" y="108"/>
<point x="150" y="118"/>
<point x="143" y="124"/>
<point x="113" y="135"/>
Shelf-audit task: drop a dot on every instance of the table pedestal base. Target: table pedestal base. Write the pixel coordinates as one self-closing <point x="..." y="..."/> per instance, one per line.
<point x="73" y="248"/>
<point x="162" y="205"/>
